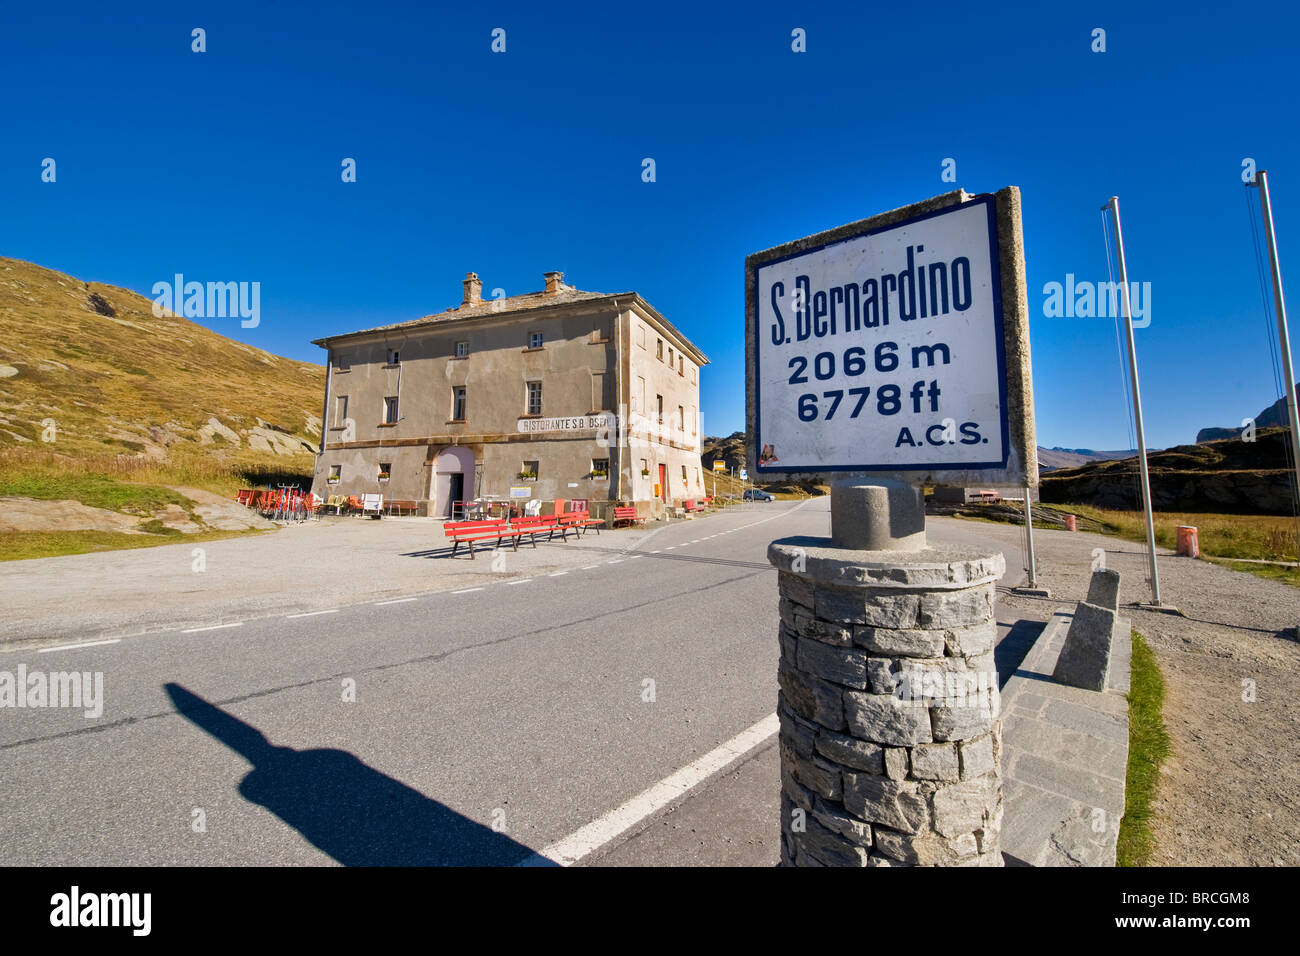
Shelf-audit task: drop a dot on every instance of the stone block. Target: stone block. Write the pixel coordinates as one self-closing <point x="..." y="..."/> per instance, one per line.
<point x="969" y="641"/>
<point x="935" y="762"/>
<point x="899" y="806"/>
<point x="896" y="763"/>
<point x="840" y="665"/>
<point x="886" y="720"/>
<point x="851" y="752"/>
<point x="834" y="818"/>
<point x="1103" y="589"/>
<point x="966" y="806"/>
<point x="882" y="675"/>
<point x="794" y="588"/>
<point x="878" y="608"/>
<point x="950" y="609"/>
<point x="788" y="640"/>
<point x="977" y="756"/>
<point x="1085" y="656"/>
<point x="810" y="698"/>
<point x="813" y="773"/>
<point x="964" y="721"/>
<point x="904" y="642"/>
<point x="799" y="733"/>
<point x="829" y="847"/>
<point x="926" y="850"/>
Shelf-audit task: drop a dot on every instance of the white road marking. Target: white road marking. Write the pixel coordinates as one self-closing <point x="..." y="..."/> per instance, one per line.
<point x="673" y="548"/>
<point x="589" y="567"/>
<point x="616" y="561"/>
<point x="635" y="556"/>
<point x="619" y="820"/>
<point x="212" y="627"/>
<point x="556" y="574"/>
<point x="332" y="610"/>
<point x="522" y="581"/>
<point x="395" y="601"/>
<point x="70" y="647"/>
<point x="655" y="552"/>
<point x="466" y="590"/>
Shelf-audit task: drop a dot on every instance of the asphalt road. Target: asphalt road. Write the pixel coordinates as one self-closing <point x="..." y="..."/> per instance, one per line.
<point x="451" y="727"/>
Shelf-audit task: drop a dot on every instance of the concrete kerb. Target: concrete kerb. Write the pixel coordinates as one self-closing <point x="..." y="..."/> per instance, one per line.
<point x="1064" y="757"/>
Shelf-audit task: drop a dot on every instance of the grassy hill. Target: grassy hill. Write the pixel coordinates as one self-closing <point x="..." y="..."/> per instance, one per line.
<point x="103" y="403"/>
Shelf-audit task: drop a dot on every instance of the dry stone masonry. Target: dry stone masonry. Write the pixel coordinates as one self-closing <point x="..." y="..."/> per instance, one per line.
<point x="890" y="730"/>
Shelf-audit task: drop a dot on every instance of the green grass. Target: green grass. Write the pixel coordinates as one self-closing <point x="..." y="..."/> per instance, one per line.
<point x="1148" y="746"/>
<point x="21" y="545"/>
<point x="96" y="491"/>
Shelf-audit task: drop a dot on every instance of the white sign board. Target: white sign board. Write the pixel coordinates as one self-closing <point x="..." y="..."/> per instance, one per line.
<point x="883" y="350"/>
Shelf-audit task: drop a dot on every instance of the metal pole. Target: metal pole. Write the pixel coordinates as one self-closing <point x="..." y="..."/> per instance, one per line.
<point x="1137" y="402"/>
<point x="1029" y="541"/>
<point x="1283" y="336"/>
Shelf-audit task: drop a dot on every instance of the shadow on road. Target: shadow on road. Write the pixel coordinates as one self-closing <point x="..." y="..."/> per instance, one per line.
<point x="1014" y="645"/>
<point x="344" y="807"/>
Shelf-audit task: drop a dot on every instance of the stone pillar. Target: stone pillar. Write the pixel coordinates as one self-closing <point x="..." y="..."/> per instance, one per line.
<point x="890" y="730"/>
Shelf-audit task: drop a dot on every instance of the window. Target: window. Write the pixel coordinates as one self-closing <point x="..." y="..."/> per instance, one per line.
<point x="692" y="374"/>
<point x="659" y="404"/>
<point x="385" y="469"/>
<point x="640" y="336"/>
<point x="341" y="364"/>
<point x="390" y="410"/>
<point x="645" y="468"/>
<point x="335" y="472"/>
<point x="681" y="420"/>
<point x="691" y="410"/>
<point x="394" y="358"/>
<point x="681" y="368"/>
<point x="670" y="356"/>
<point x="659" y="349"/>
<point x="340" y="411"/>
<point x="600" y="467"/>
<point x="683" y="474"/>
<point x="534" y="398"/>
<point x="597" y="391"/>
<point x="638" y="397"/>
<point x="462" y="350"/>
<point x="534" y="340"/>
<point x="458" y="403"/>
<point x="529" y="471"/>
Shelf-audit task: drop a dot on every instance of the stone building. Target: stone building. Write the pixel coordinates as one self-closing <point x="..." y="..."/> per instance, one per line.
<point x="553" y="394"/>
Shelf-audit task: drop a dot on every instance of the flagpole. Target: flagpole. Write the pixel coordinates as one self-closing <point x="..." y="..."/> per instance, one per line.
<point x="1283" y="336"/>
<point x="1137" y="402"/>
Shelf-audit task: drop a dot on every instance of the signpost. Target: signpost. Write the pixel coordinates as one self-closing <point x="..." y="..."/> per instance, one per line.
<point x="896" y="347"/>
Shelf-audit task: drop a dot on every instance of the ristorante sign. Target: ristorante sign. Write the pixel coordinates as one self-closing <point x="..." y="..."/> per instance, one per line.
<point x="603" y="421"/>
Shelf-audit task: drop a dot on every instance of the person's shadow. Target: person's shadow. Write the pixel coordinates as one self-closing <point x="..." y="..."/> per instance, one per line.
<point x="346" y="808"/>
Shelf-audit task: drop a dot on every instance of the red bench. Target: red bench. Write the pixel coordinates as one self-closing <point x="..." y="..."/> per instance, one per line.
<point x="533" y="525"/>
<point x="471" y="531"/>
<point x="581" y="521"/>
<point x="626" y="514"/>
<point x="690" y="504"/>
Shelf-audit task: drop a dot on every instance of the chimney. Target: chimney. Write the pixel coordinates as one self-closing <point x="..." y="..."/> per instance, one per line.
<point x="554" y="283"/>
<point x="473" y="290"/>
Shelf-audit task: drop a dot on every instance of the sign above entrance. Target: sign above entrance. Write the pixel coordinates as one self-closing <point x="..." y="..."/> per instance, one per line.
<point x="897" y="346"/>
<point x="603" y="421"/>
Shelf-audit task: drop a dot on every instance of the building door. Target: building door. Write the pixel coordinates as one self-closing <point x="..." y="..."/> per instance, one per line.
<point x="663" y="483"/>
<point x="457" y="493"/>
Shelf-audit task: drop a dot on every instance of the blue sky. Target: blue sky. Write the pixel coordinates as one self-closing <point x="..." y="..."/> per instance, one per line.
<point x="225" y="165"/>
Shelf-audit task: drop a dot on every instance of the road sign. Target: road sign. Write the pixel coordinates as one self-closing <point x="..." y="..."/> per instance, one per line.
<point x="897" y="346"/>
<point x="744" y="475"/>
<point x="719" y="465"/>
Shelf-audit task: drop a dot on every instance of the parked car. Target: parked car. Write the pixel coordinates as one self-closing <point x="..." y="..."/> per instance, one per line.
<point x="757" y="494"/>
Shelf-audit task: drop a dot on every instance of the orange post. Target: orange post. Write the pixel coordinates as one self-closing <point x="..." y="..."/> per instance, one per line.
<point x="1188" y="546"/>
<point x="1071" y="523"/>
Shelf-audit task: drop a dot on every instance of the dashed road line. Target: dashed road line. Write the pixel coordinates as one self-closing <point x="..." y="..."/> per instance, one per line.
<point x="330" y="610"/>
<point x="73" y="647"/>
<point x="520" y="581"/>
<point x="466" y="590"/>
<point x="395" y="601"/>
<point x="212" y="627"/>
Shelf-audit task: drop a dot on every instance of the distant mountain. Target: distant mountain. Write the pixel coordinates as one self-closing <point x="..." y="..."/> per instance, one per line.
<point x="1272" y="417"/>
<point x="88" y="370"/>
<point x="1052" y="458"/>
<point x="1219" y="477"/>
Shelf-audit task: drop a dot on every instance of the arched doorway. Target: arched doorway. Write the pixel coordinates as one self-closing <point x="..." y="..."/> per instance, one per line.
<point x="453" y="479"/>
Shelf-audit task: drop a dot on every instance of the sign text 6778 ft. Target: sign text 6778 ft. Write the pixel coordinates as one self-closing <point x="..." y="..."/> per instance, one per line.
<point x="884" y="351"/>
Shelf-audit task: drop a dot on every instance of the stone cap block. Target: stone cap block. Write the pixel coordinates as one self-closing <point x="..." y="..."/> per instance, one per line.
<point x="816" y="560"/>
